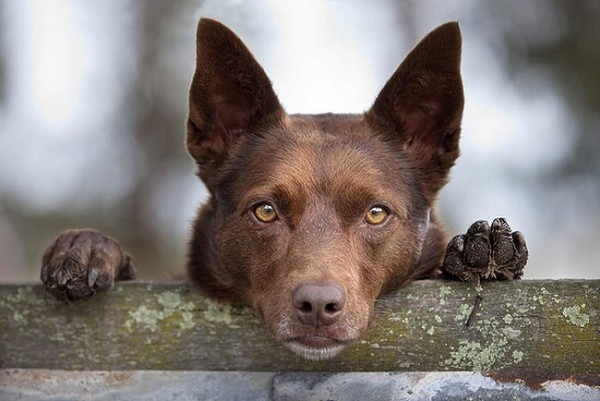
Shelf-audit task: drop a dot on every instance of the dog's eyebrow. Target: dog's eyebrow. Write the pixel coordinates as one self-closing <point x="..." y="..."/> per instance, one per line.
<point x="289" y="199"/>
<point x="351" y="204"/>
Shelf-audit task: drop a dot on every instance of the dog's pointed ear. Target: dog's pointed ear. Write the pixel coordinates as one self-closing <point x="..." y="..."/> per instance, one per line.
<point x="230" y="96"/>
<point x="420" y="107"/>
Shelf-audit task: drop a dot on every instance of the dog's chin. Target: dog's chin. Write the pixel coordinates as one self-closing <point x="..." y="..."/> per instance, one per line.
<point x="315" y="348"/>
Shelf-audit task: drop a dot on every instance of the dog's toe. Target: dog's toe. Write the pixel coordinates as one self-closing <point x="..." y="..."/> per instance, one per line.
<point x="478" y="249"/>
<point x="454" y="264"/>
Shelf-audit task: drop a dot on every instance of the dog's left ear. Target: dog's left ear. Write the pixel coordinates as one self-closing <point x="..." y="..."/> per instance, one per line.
<point x="420" y="107"/>
<point x="230" y="96"/>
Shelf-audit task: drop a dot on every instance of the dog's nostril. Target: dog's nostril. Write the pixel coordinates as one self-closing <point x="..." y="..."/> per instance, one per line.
<point x="318" y="304"/>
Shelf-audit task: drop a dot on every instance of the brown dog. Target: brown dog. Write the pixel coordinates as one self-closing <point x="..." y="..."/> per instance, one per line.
<point x="312" y="217"/>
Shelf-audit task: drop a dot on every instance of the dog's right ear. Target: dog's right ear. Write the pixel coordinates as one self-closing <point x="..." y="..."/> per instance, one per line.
<point x="420" y="107"/>
<point x="230" y="96"/>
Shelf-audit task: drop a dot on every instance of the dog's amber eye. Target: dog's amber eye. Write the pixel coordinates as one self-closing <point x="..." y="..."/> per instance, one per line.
<point x="376" y="215"/>
<point x="265" y="213"/>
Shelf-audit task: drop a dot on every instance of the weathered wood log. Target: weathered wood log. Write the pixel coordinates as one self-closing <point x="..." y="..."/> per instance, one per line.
<point x="546" y="327"/>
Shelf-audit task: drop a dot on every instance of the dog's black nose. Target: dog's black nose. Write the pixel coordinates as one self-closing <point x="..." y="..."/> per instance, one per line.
<point x="318" y="304"/>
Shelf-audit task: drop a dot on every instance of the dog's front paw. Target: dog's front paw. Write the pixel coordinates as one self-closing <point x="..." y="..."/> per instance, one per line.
<point x="81" y="262"/>
<point x="487" y="253"/>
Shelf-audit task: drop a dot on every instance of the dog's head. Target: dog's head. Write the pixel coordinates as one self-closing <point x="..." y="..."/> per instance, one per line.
<point x="311" y="217"/>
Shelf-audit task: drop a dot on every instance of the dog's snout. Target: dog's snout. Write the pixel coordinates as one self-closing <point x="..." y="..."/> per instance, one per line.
<point x="318" y="304"/>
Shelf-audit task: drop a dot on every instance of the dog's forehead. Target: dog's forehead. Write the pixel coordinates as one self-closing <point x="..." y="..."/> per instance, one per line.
<point x="328" y="155"/>
<point x="326" y="150"/>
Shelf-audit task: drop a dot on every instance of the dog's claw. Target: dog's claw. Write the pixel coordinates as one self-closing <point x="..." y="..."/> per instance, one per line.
<point x="92" y="276"/>
<point x="486" y="253"/>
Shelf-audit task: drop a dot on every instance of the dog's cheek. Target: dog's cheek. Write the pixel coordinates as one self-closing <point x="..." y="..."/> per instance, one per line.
<point x="258" y="252"/>
<point x="276" y="312"/>
<point x="390" y="258"/>
<point x="360" y="305"/>
<point x="240" y="256"/>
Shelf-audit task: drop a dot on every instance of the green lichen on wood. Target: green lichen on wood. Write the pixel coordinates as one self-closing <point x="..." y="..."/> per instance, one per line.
<point x="518" y="356"/>
<point x="575" y="315"/>
<point x="490" y="340"/>
<point x="217" y="312"/>
<point x="508" y="332"/>
<point x="170" y="306"/>
<point x="463" y="312"/>
<point x="444" y="290"/>
<point x="519" y="326"/>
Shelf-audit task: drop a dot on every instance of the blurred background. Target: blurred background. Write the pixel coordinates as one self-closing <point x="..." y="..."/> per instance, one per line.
<point x="93" y="98"/>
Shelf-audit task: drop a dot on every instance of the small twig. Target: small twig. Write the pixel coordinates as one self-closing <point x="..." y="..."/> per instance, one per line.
<point x="474" y="310"/>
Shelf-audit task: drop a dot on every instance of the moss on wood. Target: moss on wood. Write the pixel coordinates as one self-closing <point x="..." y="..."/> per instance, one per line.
<point x="537" y="326"/>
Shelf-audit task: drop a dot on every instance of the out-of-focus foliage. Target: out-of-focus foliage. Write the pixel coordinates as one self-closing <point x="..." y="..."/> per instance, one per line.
<point x="559" y="41"/>
<point x="131" y="177"/>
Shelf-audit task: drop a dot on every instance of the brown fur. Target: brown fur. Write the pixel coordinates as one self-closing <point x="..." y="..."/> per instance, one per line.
<point x="322" y="173"/>
<point x="315" y="265"/>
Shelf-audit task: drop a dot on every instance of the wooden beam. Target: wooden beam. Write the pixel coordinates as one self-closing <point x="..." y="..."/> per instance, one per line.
<point x="546" y="327"/>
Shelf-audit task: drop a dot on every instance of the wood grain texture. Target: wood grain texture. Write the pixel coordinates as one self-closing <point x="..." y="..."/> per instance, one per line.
<point x="550" y="327"/>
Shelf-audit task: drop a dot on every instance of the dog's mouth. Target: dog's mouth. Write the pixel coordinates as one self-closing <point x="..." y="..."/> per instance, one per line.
<point x="315" y="347"/>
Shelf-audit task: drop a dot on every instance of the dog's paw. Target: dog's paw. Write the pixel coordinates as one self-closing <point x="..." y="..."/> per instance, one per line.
<point x="487" y="253"/>
<point x="81" y="262"/>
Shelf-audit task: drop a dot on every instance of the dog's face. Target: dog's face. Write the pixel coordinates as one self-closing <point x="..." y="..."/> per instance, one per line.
<point x="312" y="217"/>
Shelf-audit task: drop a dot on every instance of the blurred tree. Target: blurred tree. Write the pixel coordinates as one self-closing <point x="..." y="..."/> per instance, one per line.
<point x="157" y="130"/>
<point x="3" y="53"/>
<point x="150" y="123"/>
<point x="559" y="42"/>
<point x="550" y="43"/>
